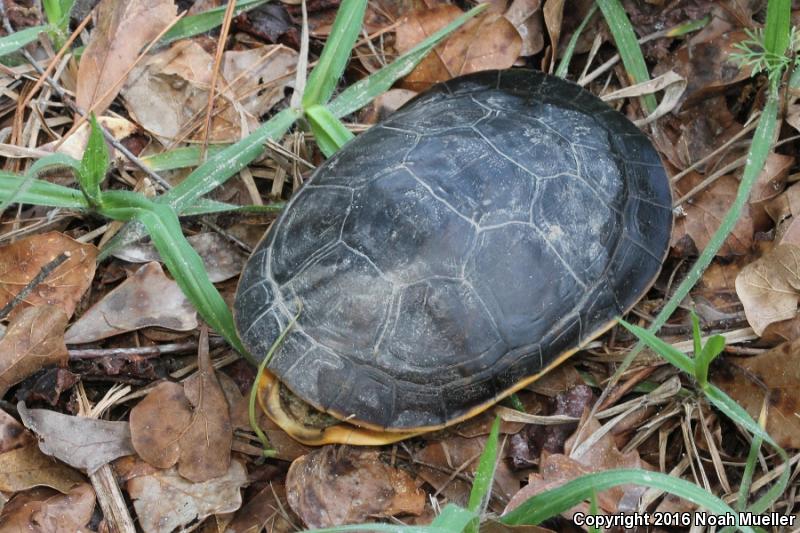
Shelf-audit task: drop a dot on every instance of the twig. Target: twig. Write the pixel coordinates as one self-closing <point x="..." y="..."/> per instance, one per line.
<point x="140" y="351"/>
<point x="32" y="284"/>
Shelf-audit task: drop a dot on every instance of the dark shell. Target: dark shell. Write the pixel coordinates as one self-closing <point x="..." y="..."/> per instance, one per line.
<point x="490" y="226"/>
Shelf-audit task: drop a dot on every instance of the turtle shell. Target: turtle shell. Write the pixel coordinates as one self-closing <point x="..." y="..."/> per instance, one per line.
<point x="452" y="253"/>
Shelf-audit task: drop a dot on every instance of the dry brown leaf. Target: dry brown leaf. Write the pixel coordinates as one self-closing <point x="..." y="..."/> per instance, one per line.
<point x="553" y="12"/>
<point x="486" y="42"/>
<point x="703" y="215"/>
<point x="165" y="501"/>
<point x="26" y="467"/>
<point x="43" y="511"/>
<point x="769" y="288"/>
<point x="158" y="421"/>
<point x="206" y="443"/>
<point x="222" y="259"/>
<point x="21" y="262"/>
<point x="81" y="442"/>
<point x="526" y="16"/>
<point x="148" y="298"/>
<point x="122" y="29"/>
<point x="34" y="340"/>
<point x="776" y="374"/>
<point x="13" y="435"/>
<point x="384" y="105"/>
<point x="557" y="469"/>
<point x="460" y="454"/>
<point x="333" y="486"/>
<point x="769" y="184"/>
<point x="167" y="93"/>
<point x="75" y="145"/>
<point x="266" y="509"/>
<point x="188" y="425"/>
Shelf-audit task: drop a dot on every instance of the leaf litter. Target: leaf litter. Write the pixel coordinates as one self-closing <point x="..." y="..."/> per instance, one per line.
<point x="750" y="290"/>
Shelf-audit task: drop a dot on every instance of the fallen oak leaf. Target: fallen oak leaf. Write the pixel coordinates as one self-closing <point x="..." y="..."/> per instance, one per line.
<point x="148" y="298"/>
<point x="43" y="511"/>
<point x="165" y="501"/>
<point x="81" y="442"/>
<point x="34" y="340"/>
<point x="121" y="30"/>
<point x="486" y="42"/>
<point x="27" y="467"/>
<point x="334" y="485"/>
<point x="769" y="288"/>
<point x="21" y="261"/>
<point x="772" y="377"/>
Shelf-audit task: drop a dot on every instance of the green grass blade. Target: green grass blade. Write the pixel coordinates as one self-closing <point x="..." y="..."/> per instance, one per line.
<point x="454" y="518"/>
<point x="205" y="21"/>
<point x="211" y="174"/>
<point x="563" y="66"/>
<point x="484" y="477"/>
<point x="55" y="160"/>
<point x="759" y="149"/>
<point x="710" y="351"/>
<point x="776" y="29"/>
<point x="696" y="337"/>
<point x="363" y="92"/>
<point x="333" y="60"/>
<point x="736" y="413"/>
<point x="94" y="163"/>
<point x="181" y="259"/>
<point x="329" y="132"/>
<point x="18" y="39"/>
<point x="673" y="356"/>
<point x="554" y="502"/>
<point x="628" y="46"/>
<point x="29" y="190"/>
<point x="187" y="156"/>
<point x="206" y="206"/>
<point x="747" y="475"/>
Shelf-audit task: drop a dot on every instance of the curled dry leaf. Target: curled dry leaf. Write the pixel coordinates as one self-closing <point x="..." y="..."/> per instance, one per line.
<point x="188" y="425"/>
<point x="148" y="298"/>
<point x="526" y="16"/>
<point x="553" y="17"/>
<point x="23" y="260"/>
<point x="222" y="259"/>
<point x="165" y="501"/>
<point x="557" y="469"/>
<point x="771" y="378"/>
<point x="168" y="93"/>
<point x="34" y="340"/>
<point x="486" y="42"/>
<point x="122" y="29"/>
<point x="769" y="288"/>
<point x="26" y="467"/>
<point x="45" y="511"/>
<point x="334" y="485"/>
<point x="81" y="442"/>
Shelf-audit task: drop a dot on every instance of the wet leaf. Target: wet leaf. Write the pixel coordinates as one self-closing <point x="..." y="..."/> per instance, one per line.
<point x="164" y="500"/>
<point x="769" y="288"/>
<point x="148" y="298"/>
<point x="81" y="442"/>
<point x="772" y="376"/>
<point x="26" y="467"/>
<point x="22" y="261"/>
<point x="222" y="259"/>
<point x="341" y="485"/>
<point x="121" y="31"/>
<point x="489" y="41"/>
<point x="45" y="511"/>
<point x="34" y="340"/>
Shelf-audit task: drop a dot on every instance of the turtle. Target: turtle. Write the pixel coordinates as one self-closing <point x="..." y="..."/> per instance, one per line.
<point x="452" y="254"/>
